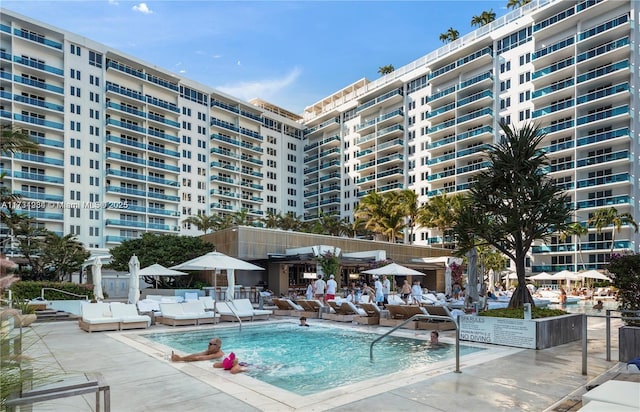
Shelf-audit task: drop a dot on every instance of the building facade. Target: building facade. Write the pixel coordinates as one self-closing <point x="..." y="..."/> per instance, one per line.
<point x="127" y="148"/>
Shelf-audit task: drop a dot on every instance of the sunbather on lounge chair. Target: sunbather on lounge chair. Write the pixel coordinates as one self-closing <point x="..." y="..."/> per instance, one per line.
<point x="214" y="351"/>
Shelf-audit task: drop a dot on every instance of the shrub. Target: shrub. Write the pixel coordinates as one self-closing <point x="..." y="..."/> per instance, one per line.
<point x="624" y="271"/>
<point x="30" y="290"/>
<point x="518" y="313"/>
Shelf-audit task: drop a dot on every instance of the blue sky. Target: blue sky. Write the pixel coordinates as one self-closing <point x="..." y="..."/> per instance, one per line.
<point x="290" y="53"/>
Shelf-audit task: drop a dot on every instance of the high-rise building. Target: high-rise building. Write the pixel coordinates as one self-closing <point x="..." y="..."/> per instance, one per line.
<point x="127" y="148"/>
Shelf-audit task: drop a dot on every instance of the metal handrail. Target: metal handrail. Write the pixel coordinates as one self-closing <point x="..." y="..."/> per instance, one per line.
<point x="232" y="309"/>
<point x="86" y="297"/>
<point x="419" y="317"/>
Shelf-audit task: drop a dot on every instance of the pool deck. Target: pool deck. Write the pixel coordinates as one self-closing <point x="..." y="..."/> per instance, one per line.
<point x="141" y="379"/>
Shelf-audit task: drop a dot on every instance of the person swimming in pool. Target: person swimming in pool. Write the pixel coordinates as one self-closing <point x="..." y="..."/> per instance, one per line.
<point x="214" y="351"/>
<point x="231" y="364"/>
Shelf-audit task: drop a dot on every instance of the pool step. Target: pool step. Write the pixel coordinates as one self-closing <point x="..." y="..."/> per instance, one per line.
<point x="52" y="315"/>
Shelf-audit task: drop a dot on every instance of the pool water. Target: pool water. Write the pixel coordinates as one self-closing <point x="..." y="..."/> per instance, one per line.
<point x="586" y="306"/>
<point x="308" y="360"/>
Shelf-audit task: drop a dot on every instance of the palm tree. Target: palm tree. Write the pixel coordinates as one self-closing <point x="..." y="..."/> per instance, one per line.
<point x="382" y="70"/>
<point x="14" y="141"/>
<point x="382" y="215"/>
<point x="610" y="216"/>
<point x="204" y="222"/>
<point x="484" y="18"/>
<point x="513" y="202"/>
<point x="440" y="212"/>
<point x="63" y="255"/>
<point x="575" y="229"/>
<point x="450" y="35"/>
<point x="514" y="4"/>
<point x="408" y="204"/>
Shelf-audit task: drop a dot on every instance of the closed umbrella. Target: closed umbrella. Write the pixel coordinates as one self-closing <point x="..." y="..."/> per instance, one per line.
<point x="97" y="279"/>
<point x="472" y="273"/>
<point x="134" y="279"/>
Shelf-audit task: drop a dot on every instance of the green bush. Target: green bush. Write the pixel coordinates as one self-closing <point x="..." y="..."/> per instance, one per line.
<point x="31" y="290"/>
<point x="624" y="271"/>
<point x="518" y="313"/>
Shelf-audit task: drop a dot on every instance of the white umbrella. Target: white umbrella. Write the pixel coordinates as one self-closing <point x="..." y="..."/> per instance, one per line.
<point x="97" y="279"/>
<point x="594" y="274"/>
<point x="158" y="270"/>
<point x="566" y="274"/>
<point x="218" y="261"/>
<point x="542" y="276"/>
<point x="393" y="269"/>
<point x="134" y="279"/>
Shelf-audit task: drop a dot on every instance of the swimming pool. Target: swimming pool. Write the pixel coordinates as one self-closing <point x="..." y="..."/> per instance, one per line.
<point x="310" y="360"/>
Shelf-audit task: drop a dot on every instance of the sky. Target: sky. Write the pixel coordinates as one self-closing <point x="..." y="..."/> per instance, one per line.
<point x="289" y="53"/>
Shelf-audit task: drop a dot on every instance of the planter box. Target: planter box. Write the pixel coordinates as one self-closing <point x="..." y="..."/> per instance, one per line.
<point x="531" y="334"/>
<point x="628" y="343"/>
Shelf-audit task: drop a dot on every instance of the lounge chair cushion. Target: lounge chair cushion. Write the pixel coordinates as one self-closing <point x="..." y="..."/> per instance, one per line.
<point x="127" y="313"/>
<point x="353" y="309"/>
<point x="615" y="392"/>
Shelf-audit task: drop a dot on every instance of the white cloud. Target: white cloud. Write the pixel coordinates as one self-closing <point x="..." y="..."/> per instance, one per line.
<point x="265" y="89"/>
<point x="216" y="56"/>
<point x="114" y="2"/>
<point x="142" y="8"/>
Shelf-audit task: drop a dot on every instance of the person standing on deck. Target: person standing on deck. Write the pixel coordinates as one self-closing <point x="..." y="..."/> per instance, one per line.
<point x="332" y="286"/>
<point x="321" y="285"/>
<point x="386" y="288"/>
<point x="379" y="294"/>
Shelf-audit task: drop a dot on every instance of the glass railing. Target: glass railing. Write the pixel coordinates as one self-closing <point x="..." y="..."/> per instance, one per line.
<point x="161" y="103"/>
<point x="473" y="98"/>
<point x="48" y="142"/>
<point x="603" y="71"/>
<point x="604" y="180"/>
<point x="38" y="121"/>
<point x="222" y="179"/>
<point x="558" y="126"/>
<point x="553" y="48"/>
<point x="472" y="167"/>
<point x="603" y="27"/>
<point x="127" y="125"/>
<point x="472" y="150"/>
<point x="128" y="223"/>
<point x="5" y="28"/>
<point x="473" y="80"/>
<point x="474" y="132"/>
<point x="39" y="159"/>
<point x="391" y="186"/>
<point x="441" y="142"/>
<point x="553" y="68"/>
<point x="164" y="166"/>
<point x="127" y="109"/>
<point x="392" y="143"/>
<point x="126" y="190"/>
<point x="162" y="82"/>
<point x="128" y="142"/>
<point x="334" y="175"/>
<point x="553" y="19"/>
<point x="442" y="93"/>
<point x="130" y="175"/>
<point x="390" y="159"/>
<point x="558" y="146"/>
<point x="441" y="175"/>
<point x="45" y="215"/>
<point x="125" y="69"/>
<point x="609" y="157"/>
<point x="605" y="201"/>
<point x="603" y="49"/>
<point x="25" y="194"/>
<point x="553" y="248"/>
<point x="38" y="177"/>
<point x="112" y="87"/>
<point x="442" y="70"/>
<point x="167" y="152"/>
<point x="618" y="88"/>
<point x="441" y="159"/>
<point x="605" y="114"/>
<point x="601" y="137"/>
<point x="473" y="115"/>
<point x="128" y="158"/>
<point x="441" y="110"/>
<point x="552" y="108"/>
<point x="163" y="181"/>
<point x="225" y="139"/>
<point x="326" y="123"/>
<point x="37" y="38"/>
<point x="443" y="125"/>
<point x="37" y="102"/>
<point x="38" y="65"/>
<point x="163" y="135"/>
<point x="162" y="196"/>
<point x="586" y="4"/>
<point x="38" y="84"/>
<point x="395" y="171"/>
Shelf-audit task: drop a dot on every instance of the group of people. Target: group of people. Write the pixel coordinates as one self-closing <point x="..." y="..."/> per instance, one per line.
<point x="321" y="290"/>
<point x="214" y="351"/>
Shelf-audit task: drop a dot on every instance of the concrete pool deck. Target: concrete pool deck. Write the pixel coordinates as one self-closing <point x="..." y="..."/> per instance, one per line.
<point x="141" y="379"/>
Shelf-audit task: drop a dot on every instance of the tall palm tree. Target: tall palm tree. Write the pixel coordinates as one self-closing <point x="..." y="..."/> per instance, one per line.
<point x="610" y="216"/>
<point x="204" y="222"/>
<point x="440" y="212"/>
<point x="381" y="214"/>
<point x="408" y="204"/>
<point x="576" y="229"/>
<point x="382" y="70"/>
<point x="484" y="18"/>
<point x="450" y="35"/>
<point x="515" y="4"/>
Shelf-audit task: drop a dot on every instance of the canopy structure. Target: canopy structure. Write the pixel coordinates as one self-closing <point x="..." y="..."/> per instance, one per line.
<point x="542" y="276"/>
<point x="593" y="274"/>
<point x="219" y="261"/>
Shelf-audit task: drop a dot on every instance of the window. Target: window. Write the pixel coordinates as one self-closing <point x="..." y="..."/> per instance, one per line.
<point x="525" y="77"/>
<point x="95" y="59"/>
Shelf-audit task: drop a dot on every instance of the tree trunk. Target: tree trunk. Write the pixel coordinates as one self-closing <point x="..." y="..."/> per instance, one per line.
<point x="521" y="296"/>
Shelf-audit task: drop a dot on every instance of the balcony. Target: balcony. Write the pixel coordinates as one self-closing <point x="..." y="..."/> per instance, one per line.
<point x="558" y="68"/>
<point x="605" y="48"/>
<point x="602" y="137"/>
<point x="126" y="125"/>
<point x="126" y="158"/>
<point x="38" y="84"/>
<point x="36" y="102"/>
<point x="38" y="39"/>
<point x="603" y="71"/>
<point x="604" y="114"/>
<point x="38" y="121"/>
<point x="604" y="201"/>
<point x="603" y="27"/>
<point x="112" y="87"/>
<point x="556" y="107"/>
<point x="563" y="84"/>
<point x="325" y="124"/>
<point x="38" y="177"/>
<point x="39" y="159"/>
<point x="37" y="65"/>
<point x="609" y="91"/>
<point x="604" y="180"/>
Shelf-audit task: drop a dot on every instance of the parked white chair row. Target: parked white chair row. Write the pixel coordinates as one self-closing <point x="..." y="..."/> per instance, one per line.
<point x="115" y="316"/>
<point x="187" y="313"/>
<point x="240" y="308"/>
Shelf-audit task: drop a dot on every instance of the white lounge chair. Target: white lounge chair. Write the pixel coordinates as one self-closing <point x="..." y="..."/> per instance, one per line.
<point x="129" y="316"/>
<point x="230" y="313"/>
<point x="196" y="308"/>
<point x="371" y="314"/>
<point x="173" y="315"/>
<point x="208" y="302"/>
<point x="615" y="393"/>
<point x="97" y="317"/>
<point x="244" y="305"/>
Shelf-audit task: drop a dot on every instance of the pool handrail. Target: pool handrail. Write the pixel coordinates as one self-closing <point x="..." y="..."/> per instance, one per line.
<point x="86" y="297"/>
<point x="232" y="309"/>
<point x="419" y="317"/>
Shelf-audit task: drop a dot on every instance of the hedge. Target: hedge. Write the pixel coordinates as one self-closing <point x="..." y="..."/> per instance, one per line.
<point x="31" y="290"/>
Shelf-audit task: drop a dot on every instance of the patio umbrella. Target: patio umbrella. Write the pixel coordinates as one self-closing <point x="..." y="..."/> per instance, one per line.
<point x="542" y="276"/>
<point x="134" y="279"/>
<point x="97" y="279"/>
<point x="393" y="269"/>
<point x="218" y="261"/>
<point x="593" y="274"/>
<point x="158" y="270"/>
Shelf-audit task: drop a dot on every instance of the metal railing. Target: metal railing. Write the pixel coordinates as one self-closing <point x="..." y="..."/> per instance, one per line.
<point x="86" y="297"/>
<point x="423" y="317"/>
<point x="608" y="318"/>
<point x="232" y="309"/>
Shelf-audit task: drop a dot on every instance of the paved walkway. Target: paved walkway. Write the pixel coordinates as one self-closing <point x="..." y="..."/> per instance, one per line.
<point x="141" y="379"/>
